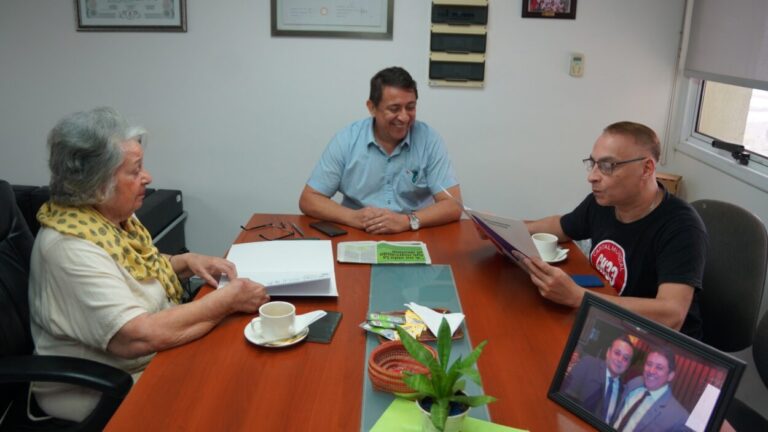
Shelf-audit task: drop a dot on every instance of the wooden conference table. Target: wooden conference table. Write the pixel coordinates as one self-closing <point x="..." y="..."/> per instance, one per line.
<point x="222" y="382"/>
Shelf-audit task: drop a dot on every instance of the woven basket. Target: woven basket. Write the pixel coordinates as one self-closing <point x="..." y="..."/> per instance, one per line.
<point x="387" y="363"/>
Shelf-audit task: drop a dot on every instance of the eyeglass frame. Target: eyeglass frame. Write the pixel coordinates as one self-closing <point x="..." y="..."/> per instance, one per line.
<point x="281" y="226"/>
<point x="607" y="167"/>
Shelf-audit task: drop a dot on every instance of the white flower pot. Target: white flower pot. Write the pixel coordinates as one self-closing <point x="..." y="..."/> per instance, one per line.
<point x="453" y="423"/>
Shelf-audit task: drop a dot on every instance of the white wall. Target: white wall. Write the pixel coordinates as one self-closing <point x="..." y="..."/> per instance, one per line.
<point x="238" y="118"/>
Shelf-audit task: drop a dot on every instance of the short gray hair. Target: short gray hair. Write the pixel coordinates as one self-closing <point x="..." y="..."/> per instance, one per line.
<point x="85" y="152"/>
<point x="644" y="136"/>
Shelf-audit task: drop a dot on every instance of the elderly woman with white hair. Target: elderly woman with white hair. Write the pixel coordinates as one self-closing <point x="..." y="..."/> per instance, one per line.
<point x="98" y="288"/>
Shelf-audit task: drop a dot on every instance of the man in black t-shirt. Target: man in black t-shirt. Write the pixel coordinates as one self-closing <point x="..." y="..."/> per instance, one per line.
<point x="648" y="244"/>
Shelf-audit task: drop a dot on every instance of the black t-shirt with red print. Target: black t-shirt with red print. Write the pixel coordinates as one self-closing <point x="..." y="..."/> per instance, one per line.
<point x="667" y="245"/>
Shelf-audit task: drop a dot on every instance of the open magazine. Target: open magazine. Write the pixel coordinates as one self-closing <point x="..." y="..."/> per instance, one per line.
<point x="383" y="252"/>
<point x="510" y="236"/>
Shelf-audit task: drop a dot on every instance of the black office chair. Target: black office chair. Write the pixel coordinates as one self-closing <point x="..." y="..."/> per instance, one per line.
<point x="734" y="277"/>
<point x="741" y="416"/>
<point x="18" y="367"/>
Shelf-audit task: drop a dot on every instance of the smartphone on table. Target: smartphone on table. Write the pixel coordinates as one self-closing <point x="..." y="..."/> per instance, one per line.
<point x="328" y="228"/>
<point x="587" y="280"/>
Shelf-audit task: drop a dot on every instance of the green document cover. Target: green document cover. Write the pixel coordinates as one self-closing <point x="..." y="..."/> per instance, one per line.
<point x="383" y="252"/>
<point x="390" y="253"/>
<point x="404" y="416"/>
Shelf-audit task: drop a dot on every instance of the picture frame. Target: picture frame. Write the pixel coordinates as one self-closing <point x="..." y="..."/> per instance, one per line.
<point x="358" y="19"/>
<point x="131" y="15"/>
<point x="700" y="380"/>
<point x="560" y="9"/>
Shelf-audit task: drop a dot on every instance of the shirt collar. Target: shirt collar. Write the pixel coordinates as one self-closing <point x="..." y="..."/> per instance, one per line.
<point x="608" y="375"/>
<point x="659" y="392"/>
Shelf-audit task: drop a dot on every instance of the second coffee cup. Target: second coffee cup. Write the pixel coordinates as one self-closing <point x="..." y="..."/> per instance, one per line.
<point x="277" y="320"/>
<point x="546" y="244"/>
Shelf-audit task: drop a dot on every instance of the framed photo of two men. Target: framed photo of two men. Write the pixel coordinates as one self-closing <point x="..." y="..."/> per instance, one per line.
<point x="623" y="372"/>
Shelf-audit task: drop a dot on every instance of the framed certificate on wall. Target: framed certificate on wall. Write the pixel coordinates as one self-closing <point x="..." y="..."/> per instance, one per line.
<point x="132" y="15"/>
<point x="367" y="19"/>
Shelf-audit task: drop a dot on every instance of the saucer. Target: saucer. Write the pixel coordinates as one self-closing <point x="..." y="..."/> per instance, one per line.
<point x="255" y="337"/>
<point x="562" y="254"/>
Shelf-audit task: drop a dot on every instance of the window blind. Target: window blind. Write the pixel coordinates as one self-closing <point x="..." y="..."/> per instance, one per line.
<point x="729" y="42"/>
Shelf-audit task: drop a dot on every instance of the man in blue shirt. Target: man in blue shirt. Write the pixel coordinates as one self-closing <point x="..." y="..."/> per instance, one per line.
<point x="392" y="170"/>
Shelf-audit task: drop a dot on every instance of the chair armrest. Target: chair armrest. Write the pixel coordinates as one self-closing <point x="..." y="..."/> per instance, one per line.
<point x="113" y="383"/>
<point x="70" y="370"/>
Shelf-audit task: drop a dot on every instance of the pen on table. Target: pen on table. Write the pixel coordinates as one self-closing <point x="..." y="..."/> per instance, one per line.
<point x="298" y="230"/>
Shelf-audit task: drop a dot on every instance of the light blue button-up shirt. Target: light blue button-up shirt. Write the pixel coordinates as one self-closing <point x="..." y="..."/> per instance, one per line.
<point x="355" y="165"/>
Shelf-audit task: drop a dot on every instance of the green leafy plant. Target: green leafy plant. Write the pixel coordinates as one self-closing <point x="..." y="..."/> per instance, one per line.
<point x="444" y="381"/>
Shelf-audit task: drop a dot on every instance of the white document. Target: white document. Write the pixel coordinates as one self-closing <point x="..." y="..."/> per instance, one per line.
<point x="701" y="413"/>
<point x="433" y="318"/>
<point x="287" y="267"/>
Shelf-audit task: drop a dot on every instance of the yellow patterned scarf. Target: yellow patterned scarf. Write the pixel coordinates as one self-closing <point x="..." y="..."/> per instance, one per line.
<point x="131" y="247"/>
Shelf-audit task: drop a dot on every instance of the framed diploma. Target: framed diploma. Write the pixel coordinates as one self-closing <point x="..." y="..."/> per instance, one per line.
<point x="132" y="15"/>
<point x="367" y="19"/>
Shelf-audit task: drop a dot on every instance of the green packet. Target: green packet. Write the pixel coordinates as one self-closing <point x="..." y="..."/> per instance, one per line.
<point x="383" y="324"/>
<point x="387" y="333"/>
<point x="384" y="318"/>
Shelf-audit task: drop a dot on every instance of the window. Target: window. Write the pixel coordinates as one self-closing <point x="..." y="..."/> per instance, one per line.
<point x="736" y="115"/>
<point x="712" y="110"/>
<point x="722" y="94"/>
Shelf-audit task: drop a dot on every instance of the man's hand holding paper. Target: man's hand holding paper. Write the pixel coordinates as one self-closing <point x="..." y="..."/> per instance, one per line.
<point x="553" y="283"/>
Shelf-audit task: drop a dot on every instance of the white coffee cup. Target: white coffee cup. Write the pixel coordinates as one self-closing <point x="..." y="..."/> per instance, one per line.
<point x="277" y="320"/>
<point x="546" y="244"/>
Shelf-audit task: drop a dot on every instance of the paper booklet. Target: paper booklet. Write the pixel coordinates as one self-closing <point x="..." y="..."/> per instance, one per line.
<point x="287" y="267"/>
<point x="383" y="252"/>
<point x="510" y="236"/>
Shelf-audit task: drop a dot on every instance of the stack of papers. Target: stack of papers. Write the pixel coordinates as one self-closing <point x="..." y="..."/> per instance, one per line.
<point x="383" y="252"/>
<point x="287" y="267"/>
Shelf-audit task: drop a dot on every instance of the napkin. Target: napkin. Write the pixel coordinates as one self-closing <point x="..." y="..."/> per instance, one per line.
<point x="433" y="319"/>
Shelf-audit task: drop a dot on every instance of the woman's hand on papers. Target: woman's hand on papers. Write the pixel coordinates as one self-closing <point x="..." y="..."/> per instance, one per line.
<point x="245" y="295"/>
<point x="553" y="283"/>
<point x="206" y="267"/>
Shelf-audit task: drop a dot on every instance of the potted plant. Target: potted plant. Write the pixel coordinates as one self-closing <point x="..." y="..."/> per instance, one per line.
<point x="444" y="385"/>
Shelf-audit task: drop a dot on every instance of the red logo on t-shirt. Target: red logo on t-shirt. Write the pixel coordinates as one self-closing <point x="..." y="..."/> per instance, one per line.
<point x="609" y="259"/>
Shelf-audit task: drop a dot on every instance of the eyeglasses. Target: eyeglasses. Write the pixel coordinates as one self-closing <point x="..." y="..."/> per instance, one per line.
<point x="607" y="166"/>
<point x="281" y="226"/>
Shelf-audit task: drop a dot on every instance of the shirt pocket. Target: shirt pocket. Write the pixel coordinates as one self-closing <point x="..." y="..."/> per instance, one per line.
<point x="412" y="187"/>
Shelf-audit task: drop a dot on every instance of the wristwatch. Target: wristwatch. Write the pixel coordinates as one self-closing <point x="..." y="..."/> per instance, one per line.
<point x="414" y="220"/>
